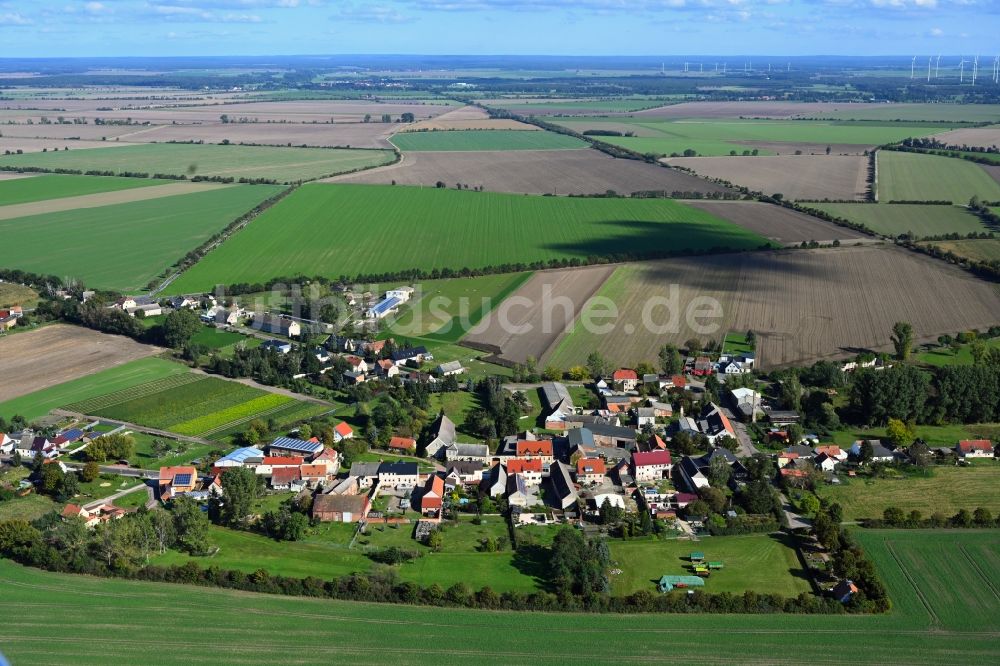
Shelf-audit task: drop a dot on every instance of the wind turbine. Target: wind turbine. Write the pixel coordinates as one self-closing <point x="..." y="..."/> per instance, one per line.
<point x="975" y="69"/>
<point x="913" y="64"/>
<point x="996" y="69"/>
<point x="937" y="67"/>
<point x="929" y="69"/>
<point x="961" y="71"/>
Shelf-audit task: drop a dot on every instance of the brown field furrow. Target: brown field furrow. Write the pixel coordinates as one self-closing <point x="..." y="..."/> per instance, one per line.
<point x="796" y="176"/>
<point x="775" y="110"/>
<point x="323" y="135"/>
<point x="67" y="132"/>
<point x="790" y="147"/>
<point x="441" y="124"/>
<point x="13" y="175"/>
<point x="782" y="225"/>
<point x="983" y="137"/>
<point x="104" y="199"/>
<point x="993" y="170"/>
<point x="533" y="172"/>
<point x="34" y="360"/>
<point x="568" y="291"/>
<point x="13" y="144"/>
<point x="804" y="305"/>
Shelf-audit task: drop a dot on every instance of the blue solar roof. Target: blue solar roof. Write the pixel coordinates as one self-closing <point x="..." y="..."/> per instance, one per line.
<point x="243" y="454"/>
<point x="386" y="305"/>
<point x="292" y="444"/>
<point x="182" y="479"/>
<point x="74" y="434"/>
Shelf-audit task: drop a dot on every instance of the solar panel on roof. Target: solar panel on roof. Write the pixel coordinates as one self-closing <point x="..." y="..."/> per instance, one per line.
<point x="182" y="479"/>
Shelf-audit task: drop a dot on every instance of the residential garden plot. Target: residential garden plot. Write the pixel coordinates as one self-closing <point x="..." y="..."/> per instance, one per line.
<point x="446" y="309"/>
<point x="763" y="563"/>
<point x="54" y="363"/>
<point x="449" y="229"/>
<point x="499" y="139"/>
<point x="974" y="250"/>
<point x="12" y="293"/>
<point x="794" y="176"/>
<point x="864" y="291"/>
<point x="946" y="489"/>
<point x="285" y="165"/>
<point x="47" y="186"/>
<point x="908" y="634"/>
<point x="73" y="243"/>
<point x="917" y="220"/>
<point x="780" y="224"/>
<point x="918" y="177"/>
<point x="557" y="172"/>
<point x="199" y="407"/>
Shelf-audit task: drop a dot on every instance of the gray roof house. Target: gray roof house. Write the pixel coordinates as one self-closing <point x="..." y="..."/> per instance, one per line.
<point x="564" y="492"/>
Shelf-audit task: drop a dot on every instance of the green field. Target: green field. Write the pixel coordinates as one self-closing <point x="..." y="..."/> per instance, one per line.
<point x="444" y="310"/>
<point x="44" y="187"/>
<point x="962" y="628"/>
<point x="463" y="140"/>
<point x="721" y="137"/>
<point x="735" y="342"/>
<point x="760" y="562"/>
<point x="915" y="219"/>
<point x="524" y="106"/>
<point x="187" y="404"/>
<point x="942" y="356"/>
<point x="918" y="177"/>
<point x="971" y="113"/>
<point x="974" y="250"/>
<point x="943" y="435"/>
<point x="408" y="227"/>
<point x="285" y="165"/>
<point x="159" y="232"/>
<point x="12" y="293"/>
<point x="122" y="377"/>
<point x="947" y="490"/>
<point x="29" y="507"/>
<point x="215" y="338"/>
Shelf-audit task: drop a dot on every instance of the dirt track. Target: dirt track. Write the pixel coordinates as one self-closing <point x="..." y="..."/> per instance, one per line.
<point x="533" y="172"/>
<point x="104" y="199"/>
<point x="34" y="360"/>
<point x="782" y="225"/>
<point x="546" y="291"/>
<point x="795" y="176"/>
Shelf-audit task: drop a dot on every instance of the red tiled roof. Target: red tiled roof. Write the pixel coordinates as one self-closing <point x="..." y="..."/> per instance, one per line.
<point x="791" y="471"/>
<point x="312" y="470"/>
<point x="285" y="475"/>
<point x="679" y="381"/>
<point x="71" y="510"/>
<point x="534" y="448"/>
<point x="343" y="429"/>
<point x="405" y="443"/>
<point x="831" y="450"/>
<point x="660" y="444"/>
<point x="624" y="373"/>
<point x="590" y="466"/>
<point x="519" y="466"/>
<point x="435" y="485"/>
<point x="651" y="458"/>
<point x="327" y="454"/>
<point x="284" y="461"/>
<point x="968" y="445"/>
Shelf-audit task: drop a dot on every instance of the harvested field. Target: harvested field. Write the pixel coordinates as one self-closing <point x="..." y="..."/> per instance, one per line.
<point x="992" y="171"/>
<point x="745" y="110"/>
<point x="14" y="144"/>
<point x="70" y="132"/>
<point x="982" y="137"/>
<point x="795" y="176"/>
<point x="35" y="360"/>
<point x="105" y="199"/>
<point x="345" y="135"/>
<point x="804" y="305"/>
<point x="529" y="306"/>
<point x="781" y="225"/>
<point x="980" y="249"/>
<point x="467" y="118"/>
<point x="918" y="177"/>
<point x="13" y="175"/>
<point x="485" y="140"/>
<point x="533" y="172"/>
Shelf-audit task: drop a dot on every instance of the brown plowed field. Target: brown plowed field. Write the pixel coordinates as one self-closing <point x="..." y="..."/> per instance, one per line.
<point x="67" y="132"/>
<point x="528" y="306"/>
<point x="804" y="305"/>
<point x="14" y="144"/>
<point x="796" y="176"/>
<point x="783" y="225"/>
<point x="790" y="147"/>
<point x="985" y="137"/>
<point x="745" y="110"/>
<point x="52" y="355"/>
<point x="355" y="135"/>
<point x="993" y="171"/>
<point x="104" y="199"/>
<point x="533" y="172"/>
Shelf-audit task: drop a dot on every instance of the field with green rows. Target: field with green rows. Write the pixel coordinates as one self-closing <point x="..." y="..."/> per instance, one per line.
<point x="76" y="243"/>
<point x="56" y="186"/>
<point x="285" y="165"/>
<point x="463" y="140"/>
<point x="944" y="612"/>
<point x="409" y="227"/>
<point x="918" y="177"/>
<point x="915" y="219"/>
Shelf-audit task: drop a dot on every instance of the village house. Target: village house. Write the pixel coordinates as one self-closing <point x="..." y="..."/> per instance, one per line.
<point x="356" y="363"/>
<point x="879" y="452"/>
<point x="541" y="449"/>
<point x="174" y="481"/>
<point x="93" y="516"/>
<point x="974" y="448"/>
<point x="449" y="369"/>
<point x="275" y="325"/>
<point x="313" y="475"/>
<point x="330" y="459"/>
<point x="415" y="354"/>
<point x="183" y="302"/>
<point x="342" y="508"/>
<point x="465" y="473"/>
<point x="714" y="424"/>
<point x="558" y="405"/>
<point x="651" y="466"/>
<point x="661" y="410"/>
<point x="9" y="317"/>
<point x="831" y="450"/>
<point x="495" y="481"/>
<point x="277" y="346"/>
<point x="702" y="366"/>
<point x="398" y="474"/>
<point x="825" y="463"/>
<point x="693" y="471"/>
<point x="444" y="435"/>
<point x="286" y="478"/>
<point x="342" y="431"/>
<point x="590" y="471"/>
<point x="365" y="472"/>
<point x="467" y="452"/>
<point x="432" y="499"/>
<point x="6" y="443"/>
<point x="625" y="379"/>
<point x="297" y="447"/>
<point x="403" y="444"/>
<point x="269" y="464"/>
<point x="617" y="404"/>
<point x="563" y="494"/>
<point x="528" y="468"/>
<point x="645" y="416"/>
<point x="386" y="369"/>
<point x="518" y="493"/>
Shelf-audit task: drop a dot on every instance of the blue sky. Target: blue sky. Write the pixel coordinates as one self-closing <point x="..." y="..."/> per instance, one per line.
<point x="584" y="27"/>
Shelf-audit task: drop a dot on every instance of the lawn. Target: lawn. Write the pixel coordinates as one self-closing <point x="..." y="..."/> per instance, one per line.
<point x="947" y="490"/>
<point x="160" y="231"/>
<point x="456" y="406"/>
<point x="916" y="220"/>
<point x="12" y="293"/>
<point x="408" y="227"/>
<point x="215" y="338"/>
<point x="28" y="507"/>
<point x="760" y="562"/>
<point x="120" y="378"/>
<point x="58" y="186"/>
<point x="722" y="137"/>
<point x="973" y="250"/>
<point x="286" y="165"/>
<point x="963" y="629"/>
<point x="942" y="356"/>
<point x="944" y="435"/>
<point x="918" y="177"/>
<point x="445" y="310"/>
<point x="735" y="342"/>
<point x="463" y="140"/>
<point x="198" y="405"/>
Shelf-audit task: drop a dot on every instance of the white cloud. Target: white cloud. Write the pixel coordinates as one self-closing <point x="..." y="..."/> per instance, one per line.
<point x="14" y="18"/>
<point x="372" y="14"/>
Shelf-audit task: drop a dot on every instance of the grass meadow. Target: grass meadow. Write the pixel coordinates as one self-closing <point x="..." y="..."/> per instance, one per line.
<point x="918" y="177"/>
<point x="409" y="227"/>
<point x="943" y="613"/>
<point x="285" y="165"/>
<point x="918" y="220"/>
<point x="962" y="355"/>
<point x="57" y="186"/>
<point x="974" y="250"/>
<point x="463" y="140"/>
<point x="124" y="246"/>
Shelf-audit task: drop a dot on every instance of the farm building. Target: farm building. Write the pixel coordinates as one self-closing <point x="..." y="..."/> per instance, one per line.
<point x="975" y="448"/>
<point x="277" y="325"/>
<point x="651" y="466"/>
<point x="341" y="508"/>
<point x="286" y="445"/>
<point x="564" y="495"/>
<point x="383" y="308"/>
<point x="558" y="405"/>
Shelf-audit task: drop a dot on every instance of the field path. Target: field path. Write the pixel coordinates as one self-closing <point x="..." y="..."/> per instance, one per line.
<point x="104" y="199"/>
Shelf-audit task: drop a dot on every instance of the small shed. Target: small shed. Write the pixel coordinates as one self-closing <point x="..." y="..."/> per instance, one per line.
<point x="668" y="583"/>
<point x="697" y="556"/>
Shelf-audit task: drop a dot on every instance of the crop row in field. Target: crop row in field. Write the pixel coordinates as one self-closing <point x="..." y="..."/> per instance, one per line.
<point x="74" y="243"/>
<point x="435" y="229"/>
<point x="47" y="186"/>
<point x="226" y="418"/>
<point x="914" y="219"/>
<point x="286" y="165"/>
<point x="109" y="400"/>
<point x="500" y="139"/>
<point x="285" y="414"/>
<point x="918" y="177"/>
